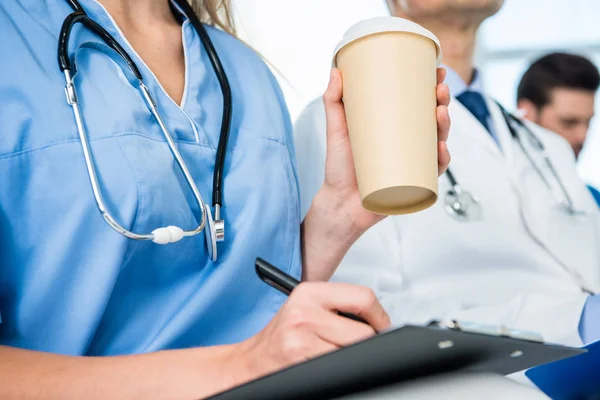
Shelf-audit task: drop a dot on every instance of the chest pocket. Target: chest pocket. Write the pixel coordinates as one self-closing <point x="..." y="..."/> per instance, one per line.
<point x="164" y="196"/>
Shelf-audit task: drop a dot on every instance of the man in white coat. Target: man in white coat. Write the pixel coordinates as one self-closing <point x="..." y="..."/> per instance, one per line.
<point x="531" y="258"/>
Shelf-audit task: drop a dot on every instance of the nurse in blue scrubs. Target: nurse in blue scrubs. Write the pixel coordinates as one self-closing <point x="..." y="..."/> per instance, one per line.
<point x="88" y="313"/>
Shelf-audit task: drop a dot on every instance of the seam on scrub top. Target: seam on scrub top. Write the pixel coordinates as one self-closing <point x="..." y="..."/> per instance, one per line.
<point x="139" y="197"/>
<point x="279" y="141"/>
<point x="293" y="212"/>
<point x="122" y="134"/>
<point x="67" y="141"/>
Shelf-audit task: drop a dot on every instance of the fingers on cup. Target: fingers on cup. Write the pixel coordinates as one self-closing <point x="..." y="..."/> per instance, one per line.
<point x="441" y="75"/>
<point x="443" y="94"/>
<point x="444" y="157"/>
<point x="333" y="94"/>
<point x="335" y="114"/>
<point x="443" y="122"/>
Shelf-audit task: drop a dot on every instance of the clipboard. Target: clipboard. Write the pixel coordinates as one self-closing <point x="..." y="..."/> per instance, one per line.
<point x="406" y="353"/>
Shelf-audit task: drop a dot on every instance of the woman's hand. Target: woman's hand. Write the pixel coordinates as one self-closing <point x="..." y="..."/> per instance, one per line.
<point x="308" y="326"/>
<point x="336" y="218"/>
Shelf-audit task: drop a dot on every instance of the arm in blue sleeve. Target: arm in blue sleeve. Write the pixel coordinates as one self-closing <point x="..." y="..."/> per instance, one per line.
<point x="589" y="324"/>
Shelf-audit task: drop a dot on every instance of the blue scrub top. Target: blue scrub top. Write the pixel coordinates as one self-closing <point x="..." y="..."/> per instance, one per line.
<point x="70" y="284"/>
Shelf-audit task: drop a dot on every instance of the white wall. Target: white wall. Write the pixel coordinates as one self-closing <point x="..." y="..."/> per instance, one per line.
<point x="298" y="38"/>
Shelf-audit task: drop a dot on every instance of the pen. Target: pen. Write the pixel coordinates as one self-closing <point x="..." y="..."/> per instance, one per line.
<point x="281" y="281"/>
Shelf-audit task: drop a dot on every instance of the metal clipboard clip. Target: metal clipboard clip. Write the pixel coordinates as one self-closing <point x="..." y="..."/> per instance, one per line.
<point x="492" y="330"/>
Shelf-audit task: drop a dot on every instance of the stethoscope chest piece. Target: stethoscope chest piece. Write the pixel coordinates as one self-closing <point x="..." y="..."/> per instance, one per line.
<point x="214" y="233"/>
<point x="210" y="233"/>
<point x="462" y="205"/>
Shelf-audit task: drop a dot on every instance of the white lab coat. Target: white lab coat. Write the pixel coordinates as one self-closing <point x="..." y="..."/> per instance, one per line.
<point x="525" y="264"/>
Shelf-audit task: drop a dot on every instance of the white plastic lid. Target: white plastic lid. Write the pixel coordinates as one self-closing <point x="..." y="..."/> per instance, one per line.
<point x="376" y="25"/>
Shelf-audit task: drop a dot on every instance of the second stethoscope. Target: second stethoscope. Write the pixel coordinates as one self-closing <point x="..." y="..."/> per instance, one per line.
<point x="464" y="206"/>
<point x="214" y="228"/>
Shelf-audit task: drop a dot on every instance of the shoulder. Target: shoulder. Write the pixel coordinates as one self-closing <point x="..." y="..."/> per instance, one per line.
<point x="554" y="143"/>
<point x="29" y="31"/>
<point x="18" y="16"/>
<point x="230" y="47"/>
<point x="241" y="59"/>
<point x="255" y="88"/>
<point x="245" y="60"/>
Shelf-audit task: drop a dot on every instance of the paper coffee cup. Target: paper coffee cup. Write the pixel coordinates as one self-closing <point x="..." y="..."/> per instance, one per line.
<point x="388" y="67"/>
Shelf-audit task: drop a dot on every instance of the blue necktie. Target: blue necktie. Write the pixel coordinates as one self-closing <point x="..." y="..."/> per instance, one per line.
<point x="475" y="103"/>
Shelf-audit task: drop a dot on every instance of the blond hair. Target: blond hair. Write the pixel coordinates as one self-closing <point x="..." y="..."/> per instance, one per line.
<point x="216" y="13"/>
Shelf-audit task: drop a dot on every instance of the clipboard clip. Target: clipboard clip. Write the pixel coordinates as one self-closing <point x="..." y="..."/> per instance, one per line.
<point x="491" y="330"/>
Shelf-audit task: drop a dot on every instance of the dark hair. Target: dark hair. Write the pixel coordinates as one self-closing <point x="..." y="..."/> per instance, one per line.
<point x="557" y="70"/>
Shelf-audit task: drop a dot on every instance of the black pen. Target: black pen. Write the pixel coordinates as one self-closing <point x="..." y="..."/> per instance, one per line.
<point x="281" y="281"/>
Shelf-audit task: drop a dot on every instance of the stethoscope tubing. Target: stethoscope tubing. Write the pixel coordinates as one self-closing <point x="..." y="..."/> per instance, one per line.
<point x="166" y="234"/>
<point x="458" y="208"/>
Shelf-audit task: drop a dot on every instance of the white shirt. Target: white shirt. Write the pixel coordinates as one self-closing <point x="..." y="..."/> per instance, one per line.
<point x="457" y="86"/>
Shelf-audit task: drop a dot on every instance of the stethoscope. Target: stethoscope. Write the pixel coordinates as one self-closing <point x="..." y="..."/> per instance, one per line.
<point x="214" y="228"/>
<point x="464" y="206"/>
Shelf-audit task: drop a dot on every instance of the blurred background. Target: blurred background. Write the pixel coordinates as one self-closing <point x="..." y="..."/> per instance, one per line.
<point x="298" y="37"/>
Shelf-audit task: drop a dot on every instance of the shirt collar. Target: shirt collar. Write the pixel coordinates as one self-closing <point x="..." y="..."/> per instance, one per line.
<point x="458" y="86"/>
<point x="91" y="6"/>
<point x="178" y="11"/>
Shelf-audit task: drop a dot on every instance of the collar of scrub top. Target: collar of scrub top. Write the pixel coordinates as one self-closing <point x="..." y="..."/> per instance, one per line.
<point x="214" y="229"/>
<point x="457" y="86"/>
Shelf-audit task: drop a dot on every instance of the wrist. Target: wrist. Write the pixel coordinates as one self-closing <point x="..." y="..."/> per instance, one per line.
<point x="336" y="216"/>
<point x="328" y="232"/>
<point x="250" y="360"/>
<point x="228" y="368"/>
<point x="237" y="364"/>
